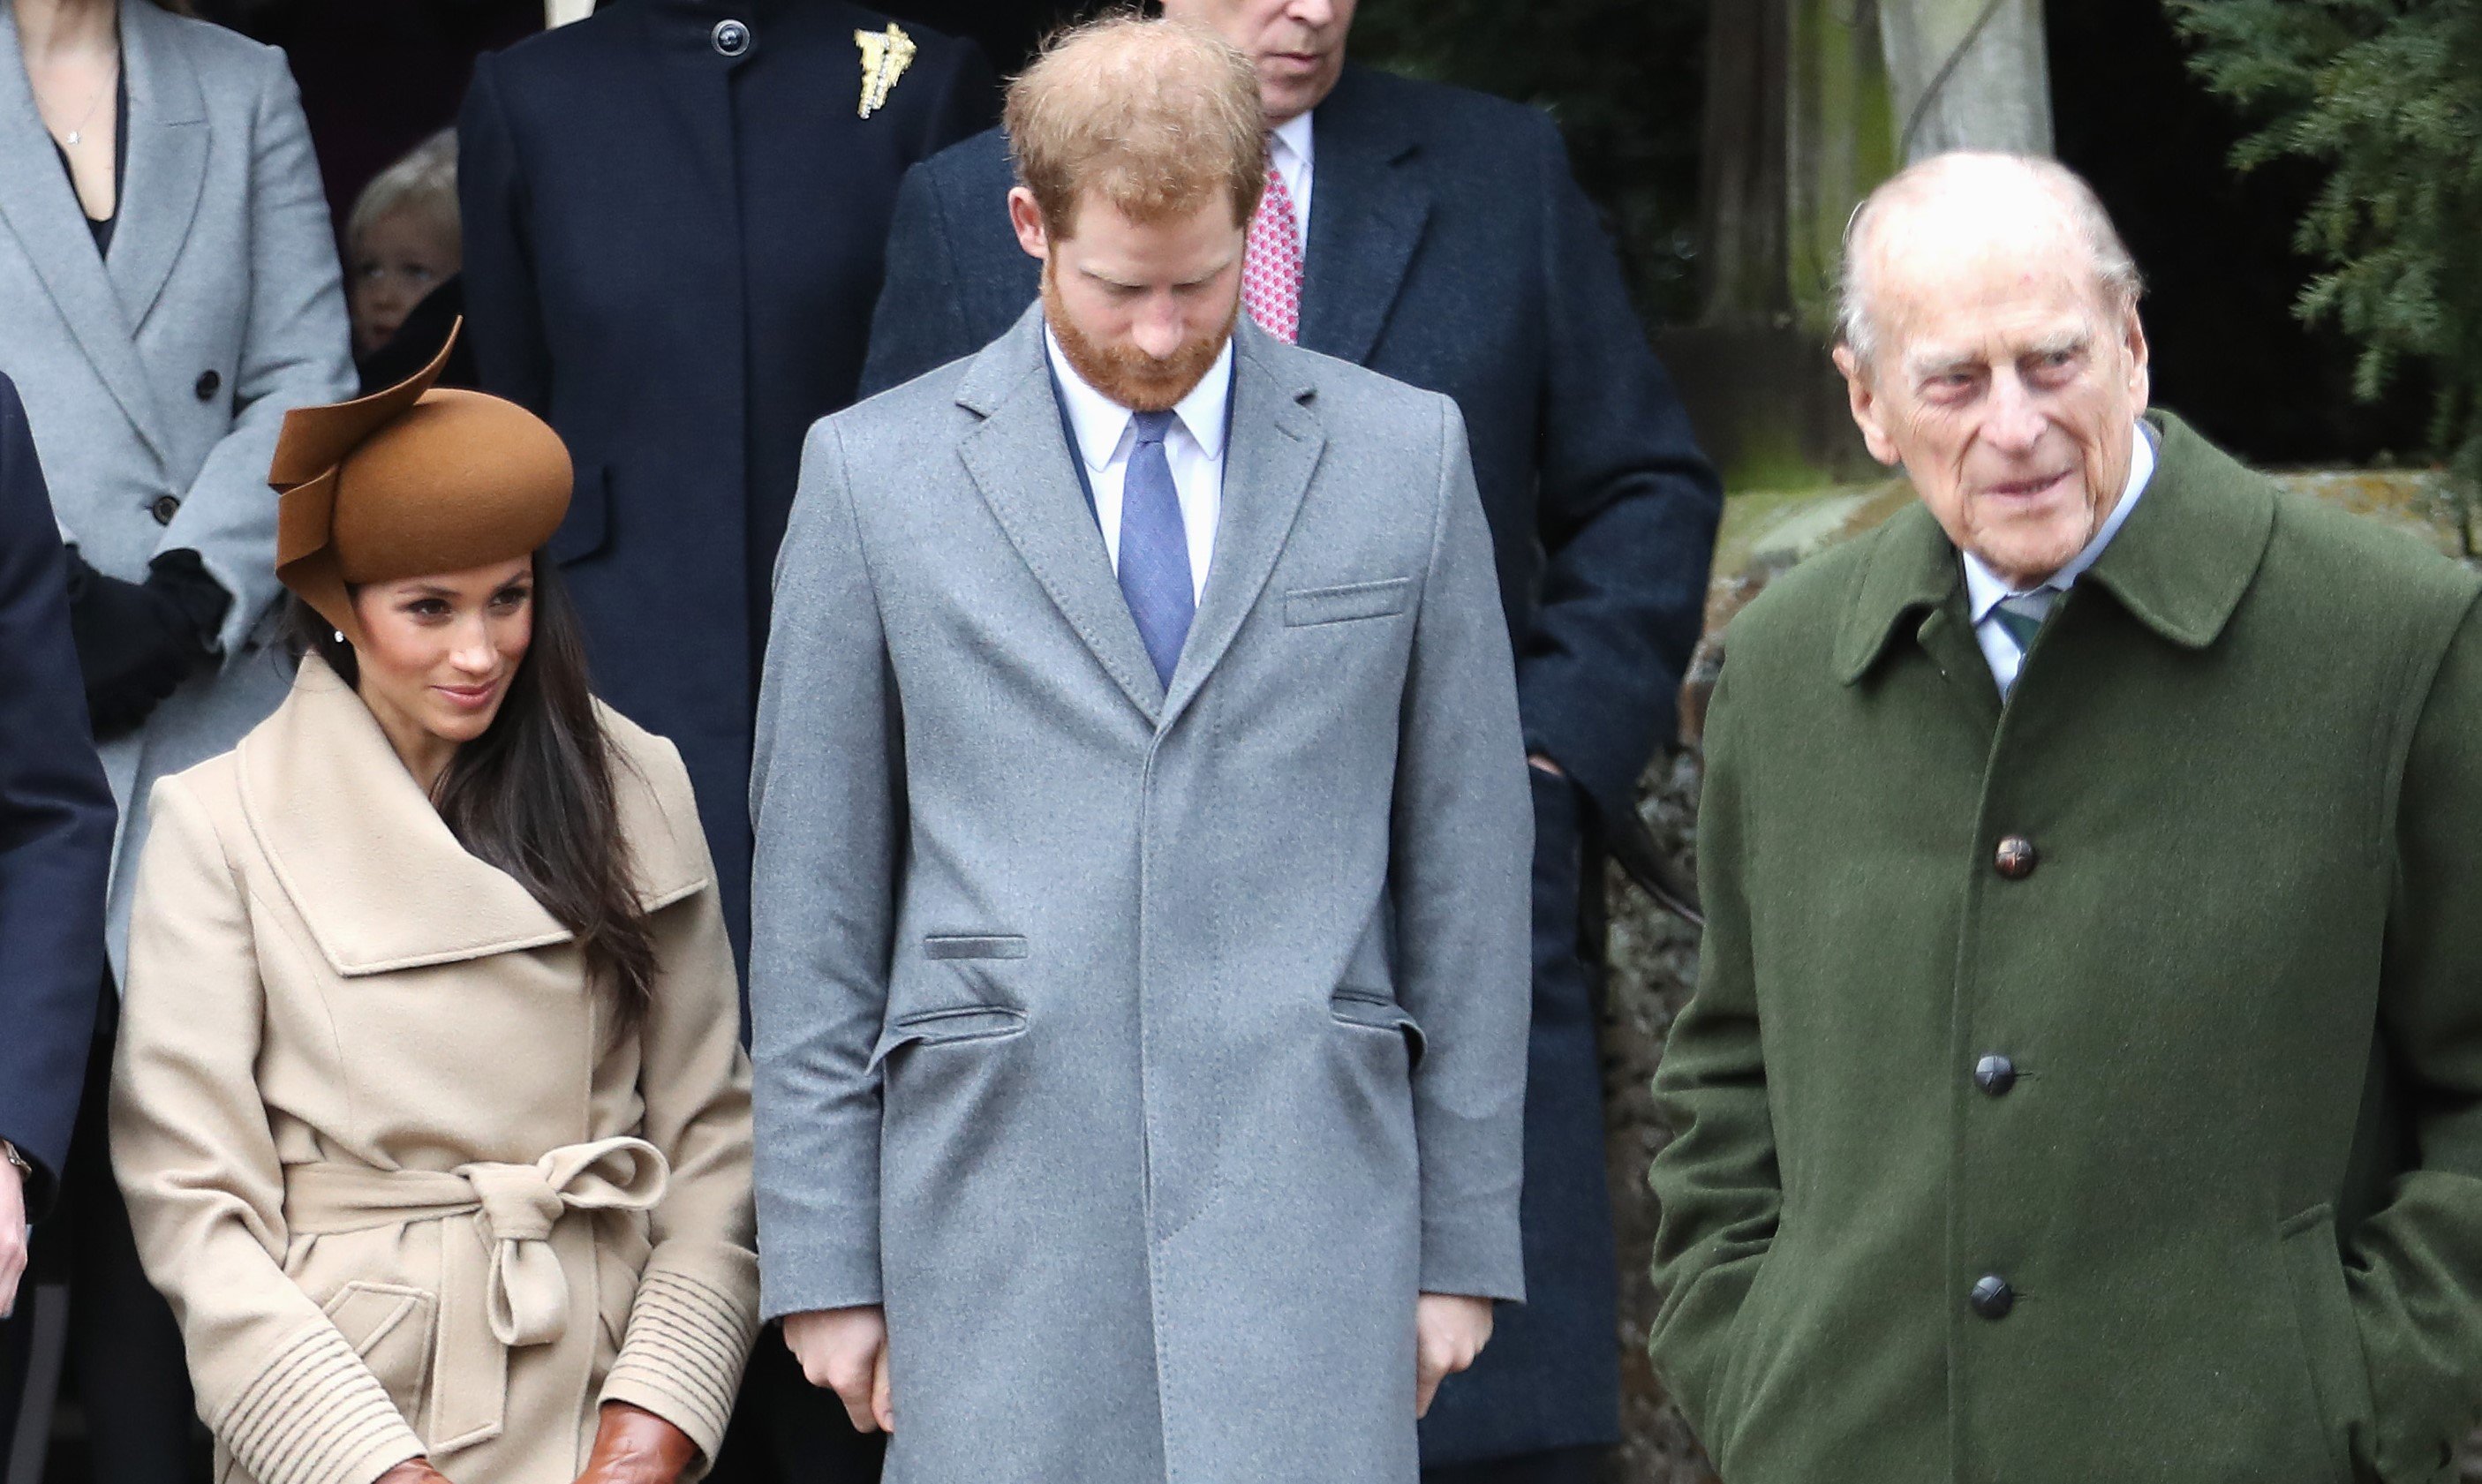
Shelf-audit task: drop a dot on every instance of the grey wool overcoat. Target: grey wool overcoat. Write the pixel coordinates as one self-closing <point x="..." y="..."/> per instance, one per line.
<point x="155" y="376"/>
<point x="1145" y="1054"/>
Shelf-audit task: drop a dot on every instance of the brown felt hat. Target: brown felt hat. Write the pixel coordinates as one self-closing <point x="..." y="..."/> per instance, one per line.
<point x="407" y="482"/>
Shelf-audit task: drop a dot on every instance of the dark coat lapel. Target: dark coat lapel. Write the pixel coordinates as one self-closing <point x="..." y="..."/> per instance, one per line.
<point x="1272" y="450"/>
<point x="1367" y="213"/>
<point x="167" y="158"/>
<point x="1019" y="459"/>
<point x="42" y="211"/>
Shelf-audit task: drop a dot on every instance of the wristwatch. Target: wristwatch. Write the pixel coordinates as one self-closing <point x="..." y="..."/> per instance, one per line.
<point x="9" y="1153"/>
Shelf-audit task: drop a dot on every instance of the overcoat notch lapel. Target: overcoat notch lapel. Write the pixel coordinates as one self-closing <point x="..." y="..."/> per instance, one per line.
<point x="42" y="212"/>
<point x="169" y="136"/>
<point x="1275" y="449"/>
<point x="1018" y="459"/>
<point x="1368" y="213"/>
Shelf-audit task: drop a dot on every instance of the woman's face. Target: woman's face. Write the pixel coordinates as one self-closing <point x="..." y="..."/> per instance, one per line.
<point x="437" y="652"/>
<point x="399" y="258"/>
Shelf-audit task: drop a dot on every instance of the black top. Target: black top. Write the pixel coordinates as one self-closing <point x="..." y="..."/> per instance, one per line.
<point x="101" y="227"/>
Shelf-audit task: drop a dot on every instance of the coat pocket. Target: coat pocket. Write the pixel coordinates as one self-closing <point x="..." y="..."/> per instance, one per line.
<point x="1305" y="606"/>
<point x="1369" y="1009"/>
<point x="2331" y="1337"/>
<point x="973" y="945"/>
<point x="947" y="1027"/>
<point x="392" y="1327"/>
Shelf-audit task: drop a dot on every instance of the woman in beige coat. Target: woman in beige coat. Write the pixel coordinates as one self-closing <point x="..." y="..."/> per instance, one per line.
<point x="429" y="1102"/>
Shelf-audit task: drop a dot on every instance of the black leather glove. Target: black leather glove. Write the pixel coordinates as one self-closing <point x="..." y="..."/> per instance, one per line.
<point x="137" y="640"/>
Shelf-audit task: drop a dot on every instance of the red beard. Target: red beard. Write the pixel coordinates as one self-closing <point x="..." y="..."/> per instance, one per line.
<point x="1129" y="376"/>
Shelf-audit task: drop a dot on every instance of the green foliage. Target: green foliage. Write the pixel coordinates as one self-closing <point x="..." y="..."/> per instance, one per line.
<point x="2386" y="96"/>
<point x="1621" y="76"/>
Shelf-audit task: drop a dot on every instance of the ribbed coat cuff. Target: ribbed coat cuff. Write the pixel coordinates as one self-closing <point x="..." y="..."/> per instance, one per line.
<point x="689" y="1337"/>
<point x="315" y="1414"/>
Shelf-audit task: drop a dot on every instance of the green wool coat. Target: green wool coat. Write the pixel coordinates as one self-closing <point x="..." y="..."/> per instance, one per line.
<point x="2235" y="1186"/>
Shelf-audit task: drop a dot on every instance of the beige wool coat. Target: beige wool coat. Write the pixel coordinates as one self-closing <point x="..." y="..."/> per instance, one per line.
<point x="408" y="1189"/>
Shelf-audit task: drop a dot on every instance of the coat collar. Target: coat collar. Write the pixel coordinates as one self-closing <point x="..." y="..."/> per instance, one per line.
<point x="1368" y="214"/>
<point x="2180" y="566"/>
<point x="168" y="157"/>
<point x="1020" y="459"/>
<point x="371" y="868"/>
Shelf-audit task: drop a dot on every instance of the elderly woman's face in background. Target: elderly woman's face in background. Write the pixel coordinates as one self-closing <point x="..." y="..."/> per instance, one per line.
<point x="2005" y="378"/>
<point x="400" y="257"/>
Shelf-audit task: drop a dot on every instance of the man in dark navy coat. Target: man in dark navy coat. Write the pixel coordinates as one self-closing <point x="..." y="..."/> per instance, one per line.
<point x="1439" y="236"/>
<point x="55" y="823"/>
<point x="674" y="212"/>
<point x="674" y="217"/>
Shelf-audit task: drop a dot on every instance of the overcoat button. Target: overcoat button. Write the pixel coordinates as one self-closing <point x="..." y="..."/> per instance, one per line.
<point x="732" y="38"/>
<point x="209" y="383"/>
<point x="1994" y="1074"/>
<point x="165" y="508"/>
<point x="2015" y="859"/>
<point x="1991" y="1298"/>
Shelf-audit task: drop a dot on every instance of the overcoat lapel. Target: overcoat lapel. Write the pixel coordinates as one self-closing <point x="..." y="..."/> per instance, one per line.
<point x="167" y="159"/>
<point x="1020" y="459"/>
<point x="42" y="211"/>
<point x="1368" y="216"/>
<point x="1274" y="449"/>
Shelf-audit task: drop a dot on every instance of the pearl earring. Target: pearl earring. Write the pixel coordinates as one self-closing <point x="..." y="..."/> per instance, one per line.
<point x="340" y="635"/>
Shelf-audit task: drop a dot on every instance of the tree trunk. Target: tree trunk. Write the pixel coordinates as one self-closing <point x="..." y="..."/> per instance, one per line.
<point x="1968" y="74"/>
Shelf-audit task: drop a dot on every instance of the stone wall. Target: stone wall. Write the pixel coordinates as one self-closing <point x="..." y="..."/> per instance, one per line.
<point x="1654" y="955"/>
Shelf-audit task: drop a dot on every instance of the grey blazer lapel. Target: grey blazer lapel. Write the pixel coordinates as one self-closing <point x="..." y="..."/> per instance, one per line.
<point x="1019" y="457"/>
<point x="167" y="158"/>
<point x="42" y="213"/>
<point x="1368" y="214"/>
<point x="1268" y="460"/>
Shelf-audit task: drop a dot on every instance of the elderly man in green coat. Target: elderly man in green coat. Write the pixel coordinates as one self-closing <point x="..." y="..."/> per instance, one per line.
<point x="2084" y="1080"/>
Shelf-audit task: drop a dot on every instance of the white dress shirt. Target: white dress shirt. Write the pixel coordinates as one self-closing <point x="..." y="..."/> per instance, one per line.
<point x="1984" y="588"/>
<point x="1107" y="434"/>
<point x="1290" y="152"/>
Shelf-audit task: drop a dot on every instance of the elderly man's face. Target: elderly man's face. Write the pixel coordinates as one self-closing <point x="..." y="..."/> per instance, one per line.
<point x="2008" y="384"/>
<point x="1298" y="44"/>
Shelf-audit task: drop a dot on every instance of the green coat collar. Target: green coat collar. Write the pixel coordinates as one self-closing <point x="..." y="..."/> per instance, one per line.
<point x="2179" y="565"/>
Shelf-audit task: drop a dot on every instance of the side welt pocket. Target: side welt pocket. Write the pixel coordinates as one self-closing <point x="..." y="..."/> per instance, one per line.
<point x="1306" y="606"/>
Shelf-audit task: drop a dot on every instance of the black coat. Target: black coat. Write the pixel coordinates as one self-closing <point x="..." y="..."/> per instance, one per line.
<point x="671" y="253"/>
<point x="1451" y="248"/>
<point x="55" y="820"/>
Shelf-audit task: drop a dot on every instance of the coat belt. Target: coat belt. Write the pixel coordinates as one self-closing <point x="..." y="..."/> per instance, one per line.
<point x="501" y="1282"/>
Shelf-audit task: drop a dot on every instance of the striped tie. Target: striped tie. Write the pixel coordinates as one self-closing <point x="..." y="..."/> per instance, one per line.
<point x="2020" y="616"/>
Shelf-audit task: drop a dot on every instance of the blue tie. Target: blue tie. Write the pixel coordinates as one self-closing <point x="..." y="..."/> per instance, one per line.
<point x="1154" y="549"/>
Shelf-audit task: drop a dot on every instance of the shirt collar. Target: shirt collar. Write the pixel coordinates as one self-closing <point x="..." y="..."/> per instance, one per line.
<point x="1101" y="424"/>
<point x="1293" y="136"/>
<point x="1984" y="588"/>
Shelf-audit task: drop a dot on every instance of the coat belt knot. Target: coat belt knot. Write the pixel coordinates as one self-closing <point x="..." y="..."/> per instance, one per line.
<point x="505" y="1287"/>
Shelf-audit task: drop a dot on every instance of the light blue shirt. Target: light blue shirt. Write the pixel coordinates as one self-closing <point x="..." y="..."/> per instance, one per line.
<point x="1984" y="588"/>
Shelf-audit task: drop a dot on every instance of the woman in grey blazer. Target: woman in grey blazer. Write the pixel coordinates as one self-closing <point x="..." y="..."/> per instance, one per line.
<point x="168" y="289"/>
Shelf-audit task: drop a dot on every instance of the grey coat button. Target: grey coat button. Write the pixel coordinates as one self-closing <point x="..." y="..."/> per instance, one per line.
<point x="209" y="384"/>
<point x="2015" y="859"/>
<point x="1991" y="1298"/>
<point x="732" y="38"/>
<point x="1995" y="1075"/>
<point x="165" y="508"/>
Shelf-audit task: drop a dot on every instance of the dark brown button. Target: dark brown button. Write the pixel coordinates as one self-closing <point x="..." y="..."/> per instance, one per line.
<point x="1991" y="1298"/>
<point x="209" y="384"/>
<point x="1995" y="1075"/>
<point x="165" y="508"/>
<point x="2016" y="858"/>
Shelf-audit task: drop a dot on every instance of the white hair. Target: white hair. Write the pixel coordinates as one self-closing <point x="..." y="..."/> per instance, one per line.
<point x="424" y="182"/>
<point x="2115" y="269"/>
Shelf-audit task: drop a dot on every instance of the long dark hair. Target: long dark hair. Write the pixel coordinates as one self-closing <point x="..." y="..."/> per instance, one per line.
<point x="533" y="795"/>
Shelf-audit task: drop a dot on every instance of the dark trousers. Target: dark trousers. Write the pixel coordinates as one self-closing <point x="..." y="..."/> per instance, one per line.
<point x="1558" y="1465"/>
<point x="787" y="1431"/>
<point x="123" y="1358"/>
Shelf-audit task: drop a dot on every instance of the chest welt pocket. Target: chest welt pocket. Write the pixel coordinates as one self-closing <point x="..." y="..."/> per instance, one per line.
<point x="1305" y="606"/>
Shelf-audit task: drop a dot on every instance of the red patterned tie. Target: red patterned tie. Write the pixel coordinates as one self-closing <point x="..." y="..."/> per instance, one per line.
<point x="1271" y="273"/>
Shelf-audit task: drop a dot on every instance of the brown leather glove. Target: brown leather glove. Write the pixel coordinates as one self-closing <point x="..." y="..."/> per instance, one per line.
<point x="633" y="1445"/>
<point x="413" y="1471"/>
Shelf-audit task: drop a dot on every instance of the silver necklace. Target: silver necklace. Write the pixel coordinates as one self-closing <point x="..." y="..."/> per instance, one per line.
<point x="78" y="133"/>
